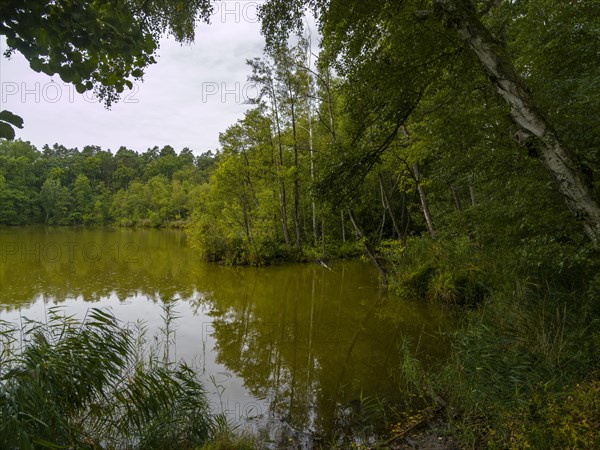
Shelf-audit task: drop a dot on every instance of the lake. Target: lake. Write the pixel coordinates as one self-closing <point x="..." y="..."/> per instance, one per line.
<point x="287" y="352"/>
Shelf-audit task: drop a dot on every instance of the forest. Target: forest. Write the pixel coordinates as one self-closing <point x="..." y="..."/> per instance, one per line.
<point x="61" y="186"/>
<point x="452" y="143"/>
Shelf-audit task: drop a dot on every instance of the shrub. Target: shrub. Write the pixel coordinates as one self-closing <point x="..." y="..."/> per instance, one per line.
<point x="449" y="272"/>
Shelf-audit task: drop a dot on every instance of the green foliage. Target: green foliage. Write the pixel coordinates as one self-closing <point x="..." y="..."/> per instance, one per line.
<point x="412" y="125"/>
<point x="94" y="187"/>
<point x="524" y="371"/>
<point x="9" y="120"/>
<point x="55" y="200"/>
<point x="450" y="272"/>
<point x="101" y="45"/>
<point x="92" y="384"/>
<point x="573" y="418"/>
<point x="549" y="59"/>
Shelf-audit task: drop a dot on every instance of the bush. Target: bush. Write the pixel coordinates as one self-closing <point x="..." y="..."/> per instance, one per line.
<point x="449" y="272"/>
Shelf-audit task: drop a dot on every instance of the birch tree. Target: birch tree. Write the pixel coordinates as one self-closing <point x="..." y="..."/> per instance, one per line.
<point x="414" y="43"/>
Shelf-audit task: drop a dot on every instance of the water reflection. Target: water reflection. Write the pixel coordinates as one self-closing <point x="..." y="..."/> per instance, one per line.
<point x="292" y="345"/>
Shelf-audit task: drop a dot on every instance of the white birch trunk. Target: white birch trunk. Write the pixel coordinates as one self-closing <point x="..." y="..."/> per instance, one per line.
<point x="461" y="16"/>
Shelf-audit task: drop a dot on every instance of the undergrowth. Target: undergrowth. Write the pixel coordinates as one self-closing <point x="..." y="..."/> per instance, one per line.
<point x="524" y="370"/>
<point x="448" y="272"/>
<point x="524" y="373"/>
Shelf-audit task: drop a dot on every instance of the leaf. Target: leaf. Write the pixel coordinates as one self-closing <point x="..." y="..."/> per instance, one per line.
<point x="6" y="131"/>
<point x="66" y="75"/>
<point x="36" y="64"/>
<point x="47" y="444"/>
<point x="11" y="118"/>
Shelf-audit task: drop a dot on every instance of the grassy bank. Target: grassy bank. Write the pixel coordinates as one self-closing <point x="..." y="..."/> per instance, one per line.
<point x="524" y="371"/>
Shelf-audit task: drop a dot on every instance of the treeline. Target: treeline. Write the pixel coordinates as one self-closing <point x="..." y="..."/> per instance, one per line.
<point x="274" y="191"/>
<point x="323" y="161"/>
<point x="92" y="186"/>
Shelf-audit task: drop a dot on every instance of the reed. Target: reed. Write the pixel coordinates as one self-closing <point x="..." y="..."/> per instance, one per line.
<point x="95" y="383"/>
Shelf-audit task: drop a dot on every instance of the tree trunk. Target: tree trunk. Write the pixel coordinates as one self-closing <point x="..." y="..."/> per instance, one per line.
<point x="387" y="205"/>
<point x="296" y="181"/>
<point x="330" y="106"/>
<point x="279" y="165"/>
<point x="323" y="252"/>
<point x="310" y="141"/>
<point x="247" y="224"/>
<point x="472" y="195"/>
<point x="312" y="175"/>
<point x="461" y="16"/>
<point x="368" y="250"/>
<point x="404" y="217"/>
<point x="424" y="202"/>
<point x="457" y="202"/>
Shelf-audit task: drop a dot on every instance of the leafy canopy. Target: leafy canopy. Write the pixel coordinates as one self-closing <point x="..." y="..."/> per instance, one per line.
<point x="102" y="44"/>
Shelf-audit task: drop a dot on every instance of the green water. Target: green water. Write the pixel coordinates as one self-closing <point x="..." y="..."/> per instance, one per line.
<point x="289" y="347"/>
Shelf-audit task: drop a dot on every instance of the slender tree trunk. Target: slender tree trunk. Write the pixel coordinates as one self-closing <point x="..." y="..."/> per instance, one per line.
<point x="248" y="177"/>
<point x="310" y="141"/>
<point x="246" y="223"/>
<point x="296" y="181"/>
<point x="327" y="85"/>
<point x="343" y="226"/>
<point x="472" y="195"/>
<point x="405" y="216"/>
<point x="424" y="202"/>
<point x="323" y="253"/>
<point x="388" y="206"/>
<point x="461" y="16"/>
<point x="312" y="174"/>
<point x="283" y="211"/>
<point x="456" y="197"/>
<point x="382" y="226"/>
<point x="274" y="180"/>
<point x="368" y="250"/>
<point x="279" y="165"/>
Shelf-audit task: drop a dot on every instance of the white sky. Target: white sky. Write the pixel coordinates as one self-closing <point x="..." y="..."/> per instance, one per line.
<point x="187" y="98"/>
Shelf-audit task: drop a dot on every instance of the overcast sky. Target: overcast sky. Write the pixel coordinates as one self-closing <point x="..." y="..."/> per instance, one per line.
<point x="187" y="98"/>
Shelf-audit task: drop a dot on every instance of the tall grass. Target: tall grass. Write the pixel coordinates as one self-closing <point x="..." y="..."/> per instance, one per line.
<point x="525" y="372"/>
<point x="448" y="272"/>
<point x="94" y="383"/>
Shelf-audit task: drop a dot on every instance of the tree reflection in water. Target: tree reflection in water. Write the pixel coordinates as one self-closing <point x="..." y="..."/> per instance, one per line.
<point x="310" y="343"/>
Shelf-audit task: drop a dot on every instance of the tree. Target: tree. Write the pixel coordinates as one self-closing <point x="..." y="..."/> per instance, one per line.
<point x="101" y="45"/>
<point x="83" y="200"/>
<point x="405" y="47"/>
<point x="19" y="183"/>
<point x="263" y="76"/>
<point x="292" y="89"/>
<point x="461" y="16"/>
<point x="55" y="201"/>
